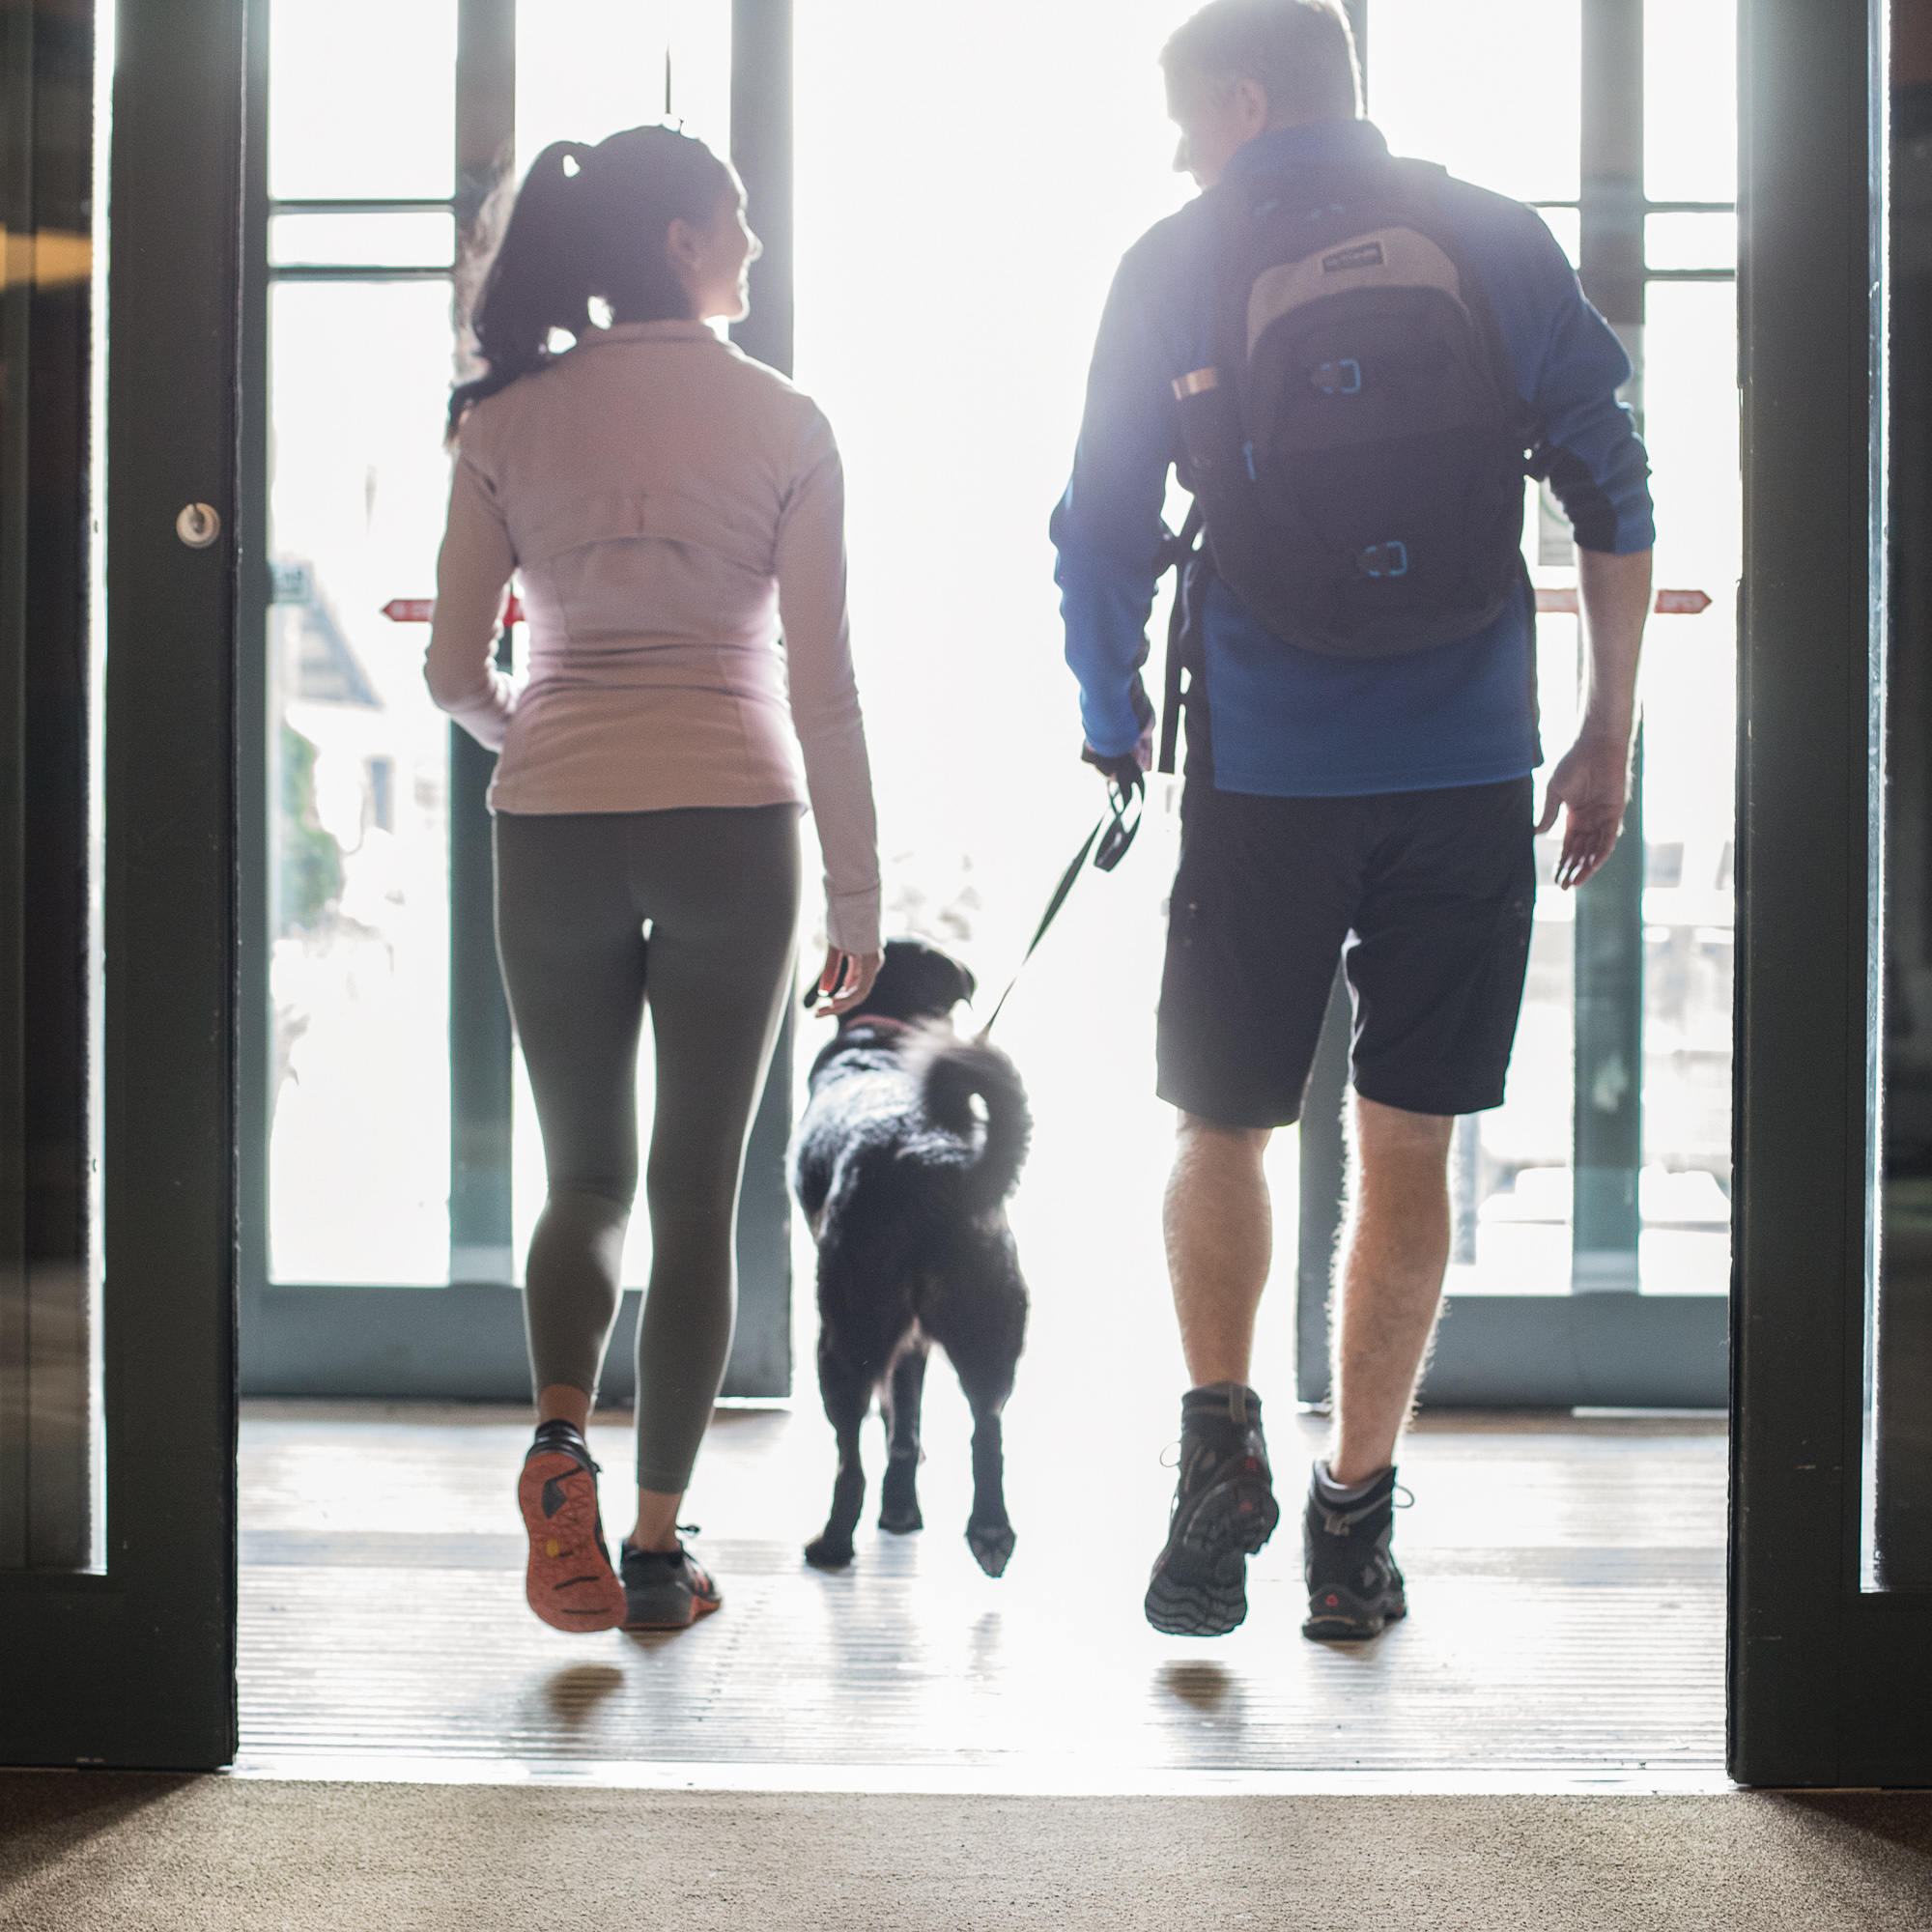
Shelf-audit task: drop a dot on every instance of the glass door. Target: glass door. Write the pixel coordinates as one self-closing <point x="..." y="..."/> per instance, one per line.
<point x="393" y="1139"/>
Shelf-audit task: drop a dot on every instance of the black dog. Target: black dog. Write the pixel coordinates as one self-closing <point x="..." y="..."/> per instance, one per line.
<point x="904" y="1183"/>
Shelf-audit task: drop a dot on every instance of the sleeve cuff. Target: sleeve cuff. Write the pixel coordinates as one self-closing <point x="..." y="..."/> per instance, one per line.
<point x="852" y="922"/>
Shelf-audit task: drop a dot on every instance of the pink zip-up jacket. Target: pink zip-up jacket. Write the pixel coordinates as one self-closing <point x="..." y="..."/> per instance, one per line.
<point x="675" y="514"/>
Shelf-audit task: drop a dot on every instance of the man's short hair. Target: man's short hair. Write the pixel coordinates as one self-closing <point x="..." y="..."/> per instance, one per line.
<point x="1300" y="52"/>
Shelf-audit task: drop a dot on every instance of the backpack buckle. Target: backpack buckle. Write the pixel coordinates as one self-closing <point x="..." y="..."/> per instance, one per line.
<point x="1385" y="559"/>
<point x="1343" y="377"/>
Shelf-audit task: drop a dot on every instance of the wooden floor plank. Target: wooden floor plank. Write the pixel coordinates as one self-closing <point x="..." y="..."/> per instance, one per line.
<point x="1566" y="1578"/>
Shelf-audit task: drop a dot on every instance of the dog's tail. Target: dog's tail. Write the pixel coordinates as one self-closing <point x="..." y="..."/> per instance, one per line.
<point x="955" y="1071"/>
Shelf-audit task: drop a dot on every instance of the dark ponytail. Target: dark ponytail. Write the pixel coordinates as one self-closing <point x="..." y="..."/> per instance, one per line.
<point x="595" y="227"/>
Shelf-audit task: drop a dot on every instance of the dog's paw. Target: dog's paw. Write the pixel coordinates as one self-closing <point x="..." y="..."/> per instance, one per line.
<point x="992" y="1545"/>
<point x="829" y="1553"/>
<point x="902" y="1519"/>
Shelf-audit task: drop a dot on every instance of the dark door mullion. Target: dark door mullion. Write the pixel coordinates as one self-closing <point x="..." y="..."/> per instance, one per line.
<point x="1606" y="1144"/>
<point x="481" y="1091"/>
<point x="16" y="118"/>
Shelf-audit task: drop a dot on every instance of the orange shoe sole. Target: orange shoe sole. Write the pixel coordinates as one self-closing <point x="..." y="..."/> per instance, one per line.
<point x="570" y="1582"/>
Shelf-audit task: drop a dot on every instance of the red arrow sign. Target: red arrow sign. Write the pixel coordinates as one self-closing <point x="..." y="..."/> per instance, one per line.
<point x="421" y="609"/>
<point x="1681" y="602"/>
<point x="1670" y="603"/>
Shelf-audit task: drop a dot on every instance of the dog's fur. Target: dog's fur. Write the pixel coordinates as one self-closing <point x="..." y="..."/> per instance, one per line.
<point x="904" y="1188"/>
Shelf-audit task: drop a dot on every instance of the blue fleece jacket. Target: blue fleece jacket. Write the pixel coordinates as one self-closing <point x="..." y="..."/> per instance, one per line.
<point x="1290" y="722"/>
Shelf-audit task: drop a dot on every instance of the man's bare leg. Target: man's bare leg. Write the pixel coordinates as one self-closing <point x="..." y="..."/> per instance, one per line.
<point x="1220" y="1239"/>
<point x="1389" y="1283"/>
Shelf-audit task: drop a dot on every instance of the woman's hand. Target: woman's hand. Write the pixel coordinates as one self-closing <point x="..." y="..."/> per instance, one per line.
<point x="845" y="981"/>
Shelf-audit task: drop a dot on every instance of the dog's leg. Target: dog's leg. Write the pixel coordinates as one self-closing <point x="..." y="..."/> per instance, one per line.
<point x="847" y="1394"/>
<point x="988" y="1531"/>
<point x="986" y="1362"/>
<point x="977" y="1315"/>
<point x="898" y="1493"/>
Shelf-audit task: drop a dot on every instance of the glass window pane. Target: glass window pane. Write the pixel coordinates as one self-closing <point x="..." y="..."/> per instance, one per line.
<point x="359" y="975"/>
<point x="992" y="456"/>
<point x="1428" y="64"/>
<point x="1690" y="99"/>
<point x="698" y="39"/>
<point x="406" y="240"/>
<point x="587" y="68"/>
<point x="1567" y="225"/>
<point x="1691" y="242"/>
<point x="1690" y="709"/>
<point x="364" y="95"/>
<point x="1511" y="1182"/>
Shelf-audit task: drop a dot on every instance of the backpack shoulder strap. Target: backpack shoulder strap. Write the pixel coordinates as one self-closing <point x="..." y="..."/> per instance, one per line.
<point x="1177" y="553"/>
<point x="1424" y="181"/>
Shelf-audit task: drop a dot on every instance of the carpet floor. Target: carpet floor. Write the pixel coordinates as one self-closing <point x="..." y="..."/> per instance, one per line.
<point x="159" y="1852"/>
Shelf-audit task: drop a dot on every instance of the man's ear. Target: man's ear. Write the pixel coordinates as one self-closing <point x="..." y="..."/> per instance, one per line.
<point x="1248" y="105"/>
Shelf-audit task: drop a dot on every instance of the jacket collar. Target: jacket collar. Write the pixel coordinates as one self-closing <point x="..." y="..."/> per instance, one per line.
<point x="647" y="331"/>
<point x="1318" y="144"/>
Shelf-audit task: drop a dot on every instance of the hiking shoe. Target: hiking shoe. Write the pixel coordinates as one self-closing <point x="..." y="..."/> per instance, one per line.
<point x="570" y="1582"/>
<point x="1224" y="1510"/>
<point x="1355" y="1590"/>
<point x="666" y="1589"/>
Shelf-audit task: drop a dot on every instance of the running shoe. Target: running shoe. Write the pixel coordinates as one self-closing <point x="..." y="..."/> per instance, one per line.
<point x="1224" y="1510"/>
<point x="666" y="1589"/>
<point x="1355" y="1590"/>
<point x="570" y="1582"/>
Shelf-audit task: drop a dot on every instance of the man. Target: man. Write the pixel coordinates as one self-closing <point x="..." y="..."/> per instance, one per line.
<point x="1346" y="794"/>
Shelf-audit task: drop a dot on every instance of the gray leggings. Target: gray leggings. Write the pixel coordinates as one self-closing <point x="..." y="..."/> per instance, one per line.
<point x="718" y="888"/>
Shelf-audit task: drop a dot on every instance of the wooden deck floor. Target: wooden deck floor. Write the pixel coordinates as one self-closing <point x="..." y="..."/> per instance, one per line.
<point x="1566" y="1583"/>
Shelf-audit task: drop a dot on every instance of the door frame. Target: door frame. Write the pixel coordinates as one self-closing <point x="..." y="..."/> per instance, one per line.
<point x="135" y="1665"/>
<point x="1819" y="1668"/>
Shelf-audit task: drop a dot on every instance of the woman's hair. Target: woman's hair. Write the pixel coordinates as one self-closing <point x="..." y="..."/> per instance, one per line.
<point x="1301" y="52"/>
<point x="590" y="223"/>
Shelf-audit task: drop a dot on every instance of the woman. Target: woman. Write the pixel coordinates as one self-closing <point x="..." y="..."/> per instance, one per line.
<point x="668" y="505"/>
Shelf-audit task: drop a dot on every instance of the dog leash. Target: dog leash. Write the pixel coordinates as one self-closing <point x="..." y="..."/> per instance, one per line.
<point x="1108" y="843"/>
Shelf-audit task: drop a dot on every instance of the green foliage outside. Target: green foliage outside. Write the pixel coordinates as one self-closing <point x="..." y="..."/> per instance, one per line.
<point x="311" y="861"/>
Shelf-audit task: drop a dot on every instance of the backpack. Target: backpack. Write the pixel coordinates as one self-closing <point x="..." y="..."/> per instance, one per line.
<point x="1359" y="448"/>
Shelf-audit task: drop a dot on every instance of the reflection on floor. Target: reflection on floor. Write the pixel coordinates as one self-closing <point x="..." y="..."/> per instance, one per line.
<point x="1565" y="1581"/>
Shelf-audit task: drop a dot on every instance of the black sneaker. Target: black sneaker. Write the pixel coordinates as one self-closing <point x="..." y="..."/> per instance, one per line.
<point x="1355" y="1590"/>
<point x="1224" y="1510"/>
<point x="666" y="1589"/>
<point x="569" y="1580"/>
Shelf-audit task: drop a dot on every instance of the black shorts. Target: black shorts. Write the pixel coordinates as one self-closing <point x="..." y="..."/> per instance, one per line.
<point x="1427" y="897"/>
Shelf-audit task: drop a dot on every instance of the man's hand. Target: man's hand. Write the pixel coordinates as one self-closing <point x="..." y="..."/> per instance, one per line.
<point x="845" y="981"/>
<point x="1591" y="782"/>
<point x="1126" y="769"/>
